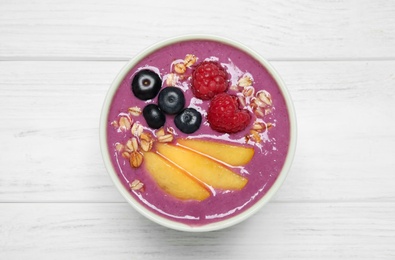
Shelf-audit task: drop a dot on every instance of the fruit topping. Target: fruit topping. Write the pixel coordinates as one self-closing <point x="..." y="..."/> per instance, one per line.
<point x="154" y="116"/>
<point x="146" y="84"/>
<point x="171" y="100"/>
<point x="174" y="180"/>
<point x="224" y="114"/>
<point x="188" y="120"/>
<point x="208" y="79"/>
<point x="202" y="167"/>
<point x="232" y="154"/>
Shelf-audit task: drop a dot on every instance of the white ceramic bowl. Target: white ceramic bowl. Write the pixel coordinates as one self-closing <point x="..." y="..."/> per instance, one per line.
<point x="170" y="223"/>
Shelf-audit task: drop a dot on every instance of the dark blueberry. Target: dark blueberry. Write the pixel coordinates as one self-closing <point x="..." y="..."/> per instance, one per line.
<point x="188" y="121"/>
<point x="146" y="84"/>
<point x="171" y="100"/>
<point x="154" y="116"/>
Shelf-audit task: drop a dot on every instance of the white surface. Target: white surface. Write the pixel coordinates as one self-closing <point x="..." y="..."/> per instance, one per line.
<point x="59" y="58"/>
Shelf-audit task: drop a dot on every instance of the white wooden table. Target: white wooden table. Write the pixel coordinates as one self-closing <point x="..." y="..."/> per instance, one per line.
<point x="58" y="59"/>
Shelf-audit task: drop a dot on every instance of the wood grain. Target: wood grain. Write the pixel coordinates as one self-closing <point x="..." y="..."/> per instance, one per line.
<point x="118" y="30"/>
<point x="116" y="231"/>
<point x="52" y="109"/>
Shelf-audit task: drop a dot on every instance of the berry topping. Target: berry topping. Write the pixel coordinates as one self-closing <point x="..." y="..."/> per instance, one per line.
<point x="208" y="79"/>
<point x="171" y="100"/>
<point x="224" y="114"/>
<point x="146" y="84"/>
<point x="188" y="121"/>
<point x="154" y="116"/>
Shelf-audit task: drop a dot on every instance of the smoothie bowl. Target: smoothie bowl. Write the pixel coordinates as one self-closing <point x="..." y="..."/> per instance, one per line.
<point x="198" y="132"/>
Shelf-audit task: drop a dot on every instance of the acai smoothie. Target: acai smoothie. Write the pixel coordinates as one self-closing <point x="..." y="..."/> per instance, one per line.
<point x="198" y="131"/>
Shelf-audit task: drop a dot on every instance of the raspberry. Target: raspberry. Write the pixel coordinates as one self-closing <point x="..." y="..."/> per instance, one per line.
<point x="208" y="79"/>
<point x="224" y="114"/>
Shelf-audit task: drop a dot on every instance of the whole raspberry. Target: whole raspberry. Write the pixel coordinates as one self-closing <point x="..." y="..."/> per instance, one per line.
<point x="224" y="114"/>
<point x="208" y="79"/>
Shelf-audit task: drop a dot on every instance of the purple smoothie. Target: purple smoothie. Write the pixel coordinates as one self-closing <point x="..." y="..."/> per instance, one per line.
<point x="261" y="172"/>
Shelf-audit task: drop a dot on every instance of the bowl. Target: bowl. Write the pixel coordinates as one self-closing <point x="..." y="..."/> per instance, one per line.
<point x="274" y="145"/>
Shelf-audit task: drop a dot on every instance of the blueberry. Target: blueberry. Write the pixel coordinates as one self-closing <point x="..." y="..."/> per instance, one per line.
<point x="188" y="120"/>
<point x="171" y="100"/>
<point x="146" y="84"/>
<point x="154" y="116"/>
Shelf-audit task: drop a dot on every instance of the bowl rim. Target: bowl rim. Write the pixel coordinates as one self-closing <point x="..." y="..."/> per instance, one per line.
<point x="222" y="223"/>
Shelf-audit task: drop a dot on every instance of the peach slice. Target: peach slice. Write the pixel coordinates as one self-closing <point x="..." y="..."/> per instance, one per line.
<point x="202" y="168"/>
<point x="231" y="154"/>
<point x="173" y="180"/>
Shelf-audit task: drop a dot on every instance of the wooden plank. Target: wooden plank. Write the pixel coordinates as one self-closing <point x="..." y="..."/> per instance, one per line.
<point x="346" y="134"/>
<point x="50" y="115"/>
<point x="118" y="30"/>
<point x="116" y="231"/>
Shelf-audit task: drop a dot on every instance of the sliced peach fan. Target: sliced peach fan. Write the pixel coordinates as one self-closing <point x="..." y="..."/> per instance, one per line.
<point x="187" y="170"/>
